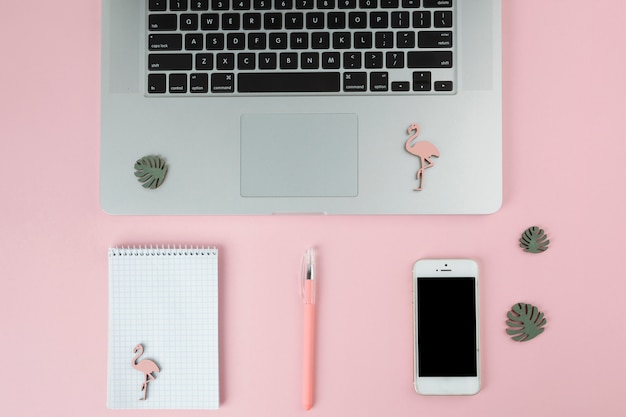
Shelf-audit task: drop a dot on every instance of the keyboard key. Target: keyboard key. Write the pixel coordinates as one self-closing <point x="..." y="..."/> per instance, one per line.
<point x="178" y="83"/>
<point x="304" y="4"/>
<point x="222" y="83"/>
<point x="288" y="60"/>
<point x="421" y="20"/>
<point x="384" y="39"/>
<point x="204" y="62"/>
<point x="199" y="4"/>
<point x="325" y="4"/>
<point x="310" y="60"/>
<point x="299" y="40"/>
<point x="389" y="4"/>
<point x="395" y="59"/>
<point x="178" y="5"/>
<point x="443" y="85"/>
<point x="400" y="86"/>
<point x="341" y="40"/>
<point x="246" y="61"/>
<point x="368" y="4"/>
<point x="193" y="41"/>
<point x="379" y="81"/>
<point x="410" y="4"/>
<point x="283" y="4"/>
<point x="252" y="21"/>
<point x="347" y="4"/>
<point x="434" y="39"/>
<point x="268" y="61"/>
<point x="421" y="81"/>
<point x="241" y="4"/>
<point x="379" y="20"/>
<point x="288" y="82"/>
<point x="331" y="60"/>
<point x="363" y="40"/>
<point x="236" y="41"/>
<point x="355" y="81"/>
<point x="294" y="21"/>
<point x="199" y="83"/>
<point x="230" y="21"/>
<point x="188" y="22"/>
<point x="262" y="4"/>
<point x="210" y="21"/>
<point x="405" y="40"/>
<point x="351" y="60"/>
<point x="437" y="3"/>
<point x="422" y="77"/>
<point x="256" y="41"/>
<point x="315" y="20"/>
<point x="225" y="61"/>
<point x="157" y="5"/>
<point x="165" y="42"/>
<point x="320" y="40"/>
<point x="357" y="20"/>
<point x="220" y="4"/>
<point x="156" y="83"/>
<point x="443" y="19"/>
<point x="215" y="41"/>
<point x="373" y="60"/>
<point x="162" y="22"/>
<point x="400" y="19"/>
<point x="278" y="41"/>
<point x="169" y="62"/>
<point x="429" y="59"/>
<point x="273" y="21"/>
<point x="336" y="20"/>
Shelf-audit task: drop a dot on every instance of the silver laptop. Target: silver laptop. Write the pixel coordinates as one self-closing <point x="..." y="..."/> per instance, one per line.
<point x="301" y="106"/>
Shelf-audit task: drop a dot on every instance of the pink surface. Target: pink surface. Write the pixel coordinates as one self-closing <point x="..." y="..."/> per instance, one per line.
<point x="564" y="71"/>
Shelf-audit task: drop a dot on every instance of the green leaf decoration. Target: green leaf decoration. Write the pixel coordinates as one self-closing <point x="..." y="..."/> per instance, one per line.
<point x="150" y="171"/>
<point x="534" y="240"/>
<point x="525" y="322"/>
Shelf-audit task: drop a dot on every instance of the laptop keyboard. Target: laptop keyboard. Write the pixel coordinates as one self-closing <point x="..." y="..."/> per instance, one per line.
<point x="311" y="47"/>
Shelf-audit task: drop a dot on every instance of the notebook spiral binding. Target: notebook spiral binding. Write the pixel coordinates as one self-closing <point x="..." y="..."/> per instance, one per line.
<point x="162" y="250"/>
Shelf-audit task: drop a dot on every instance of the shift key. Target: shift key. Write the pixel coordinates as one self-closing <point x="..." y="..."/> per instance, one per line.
<point x="429" y="59"/>
<point x="169" y="62"/>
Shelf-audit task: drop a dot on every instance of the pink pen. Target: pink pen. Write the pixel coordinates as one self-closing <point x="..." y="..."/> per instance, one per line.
<point x="308" y="297"/>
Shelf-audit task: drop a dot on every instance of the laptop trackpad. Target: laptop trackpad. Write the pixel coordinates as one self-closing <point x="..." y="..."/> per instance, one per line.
<point x="299" y="155"/>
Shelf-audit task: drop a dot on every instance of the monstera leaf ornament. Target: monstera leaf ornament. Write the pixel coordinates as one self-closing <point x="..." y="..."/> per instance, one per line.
<point x="150" y="171"/>
<point x="534" y="240"/>
<point x="525" y="322"/>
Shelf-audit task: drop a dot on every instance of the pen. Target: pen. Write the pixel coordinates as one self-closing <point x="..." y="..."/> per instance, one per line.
<point x="308" y="297"/>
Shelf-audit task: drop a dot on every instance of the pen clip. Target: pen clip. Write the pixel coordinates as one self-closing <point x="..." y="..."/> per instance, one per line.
<point x="307" y="273"/>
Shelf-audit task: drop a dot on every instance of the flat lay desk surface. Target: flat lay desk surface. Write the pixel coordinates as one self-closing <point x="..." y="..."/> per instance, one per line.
<point x="564" y="146"/>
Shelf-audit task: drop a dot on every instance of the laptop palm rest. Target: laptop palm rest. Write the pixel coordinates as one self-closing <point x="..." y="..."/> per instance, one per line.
<point x="299" y="155"/>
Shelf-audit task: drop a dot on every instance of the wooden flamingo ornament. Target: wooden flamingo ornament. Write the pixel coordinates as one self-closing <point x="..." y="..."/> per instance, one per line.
<point x="423" y="150"/>
<point x="146" y="366"/>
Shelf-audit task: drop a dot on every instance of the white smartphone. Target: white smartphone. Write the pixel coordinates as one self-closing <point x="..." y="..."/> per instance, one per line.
<point x="446" y="327"/>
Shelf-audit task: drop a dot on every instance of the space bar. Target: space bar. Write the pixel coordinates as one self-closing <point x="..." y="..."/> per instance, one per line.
<point x="288" y="82"/>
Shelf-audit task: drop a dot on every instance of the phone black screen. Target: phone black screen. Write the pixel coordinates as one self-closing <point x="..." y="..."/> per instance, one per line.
<point x="446" y="319"/>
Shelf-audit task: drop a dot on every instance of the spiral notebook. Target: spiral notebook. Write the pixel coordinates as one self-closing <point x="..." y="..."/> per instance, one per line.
<point x="163" y="328"/>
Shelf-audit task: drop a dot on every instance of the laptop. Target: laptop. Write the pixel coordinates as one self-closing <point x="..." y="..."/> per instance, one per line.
<point x="301" y="106"/>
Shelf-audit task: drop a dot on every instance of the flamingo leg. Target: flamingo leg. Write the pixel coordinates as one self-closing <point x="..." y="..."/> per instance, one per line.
<point x="144" y="386"/>
<point x="419" y="176"/>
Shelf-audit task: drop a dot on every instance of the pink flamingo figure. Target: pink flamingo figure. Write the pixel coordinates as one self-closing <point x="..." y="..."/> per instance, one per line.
<point x="423" y="150"/>
<point x="146" y="366"/>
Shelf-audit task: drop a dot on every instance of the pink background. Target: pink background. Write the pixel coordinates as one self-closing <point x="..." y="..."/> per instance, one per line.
<point x="564" y="114"/>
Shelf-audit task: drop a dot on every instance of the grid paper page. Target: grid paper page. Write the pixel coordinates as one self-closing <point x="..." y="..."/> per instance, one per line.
<point x="166" y="300"/>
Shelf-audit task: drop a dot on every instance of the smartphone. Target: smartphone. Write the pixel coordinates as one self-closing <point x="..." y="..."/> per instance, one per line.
<point x="446" y="327"/>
